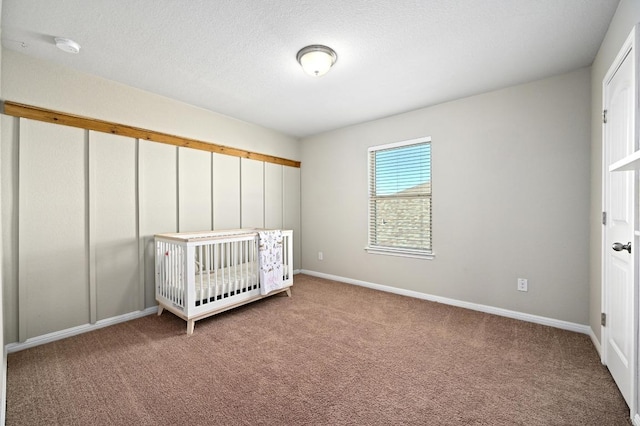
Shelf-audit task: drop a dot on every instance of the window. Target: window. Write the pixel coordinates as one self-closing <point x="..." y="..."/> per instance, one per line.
<point x="400" y="199"/>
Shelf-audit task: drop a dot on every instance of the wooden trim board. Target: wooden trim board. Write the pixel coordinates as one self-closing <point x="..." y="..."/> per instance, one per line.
<point x="50" y="116"/>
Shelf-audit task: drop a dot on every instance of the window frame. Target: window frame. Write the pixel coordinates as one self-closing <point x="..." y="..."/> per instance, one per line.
<point x="396" y="251"/>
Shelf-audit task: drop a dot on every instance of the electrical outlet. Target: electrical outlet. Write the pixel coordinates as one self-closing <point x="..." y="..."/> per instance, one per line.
<point x="320" y="256"/>
<point x="523" y="284"/>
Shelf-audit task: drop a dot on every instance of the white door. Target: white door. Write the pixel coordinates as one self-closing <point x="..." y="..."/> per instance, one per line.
<point x="619" y="249"/>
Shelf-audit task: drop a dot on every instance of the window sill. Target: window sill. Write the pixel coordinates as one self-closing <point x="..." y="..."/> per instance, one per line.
<point x="400" y="252"/>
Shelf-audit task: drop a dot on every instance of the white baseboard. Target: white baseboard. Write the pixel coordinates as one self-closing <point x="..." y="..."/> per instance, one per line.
<point x="564" y="325"/>
<point x="58" y="335"/>
<point x="636" y="420"/>
<point x="596" y="342"/>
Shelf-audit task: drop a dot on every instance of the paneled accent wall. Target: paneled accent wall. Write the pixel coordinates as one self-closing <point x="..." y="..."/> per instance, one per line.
<point x="158" y="202"/>
<point x="194" y="190"/>
<point x="251" y="193"/>
<point x="113" y="226"/>
<point x="53" y="229"/>
<point x="226" y="197"/>
<point x="273" y="205"/>
<point x="89" y="204"/>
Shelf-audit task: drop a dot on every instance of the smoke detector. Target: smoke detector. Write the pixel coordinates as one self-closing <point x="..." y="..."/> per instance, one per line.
<point x="67" y="45"/>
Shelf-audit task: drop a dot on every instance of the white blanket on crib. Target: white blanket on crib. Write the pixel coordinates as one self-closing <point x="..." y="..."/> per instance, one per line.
<point x="270" y="254"/>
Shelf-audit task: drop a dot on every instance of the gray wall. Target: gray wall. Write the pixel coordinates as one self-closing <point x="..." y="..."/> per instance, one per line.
<point x="80" y="208"/>
<point x="627" y="15"/>
<point x="510" y="199"/>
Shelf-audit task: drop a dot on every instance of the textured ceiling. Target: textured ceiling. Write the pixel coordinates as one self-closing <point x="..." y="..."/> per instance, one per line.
<point x="238" y="57"/>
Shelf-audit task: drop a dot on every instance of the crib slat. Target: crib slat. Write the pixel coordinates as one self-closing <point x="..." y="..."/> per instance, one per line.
<point x="245" y="259"/>
<point x="177" y="275"/>
<point x="198" y="268"/>
<point x="225" y="290"/>
<point x="172" y="275"/>
<point x="254" y="271"/>
<point x="207" y="265"/>
<point x="215" y="270"/>
<point x="234" y="247"/>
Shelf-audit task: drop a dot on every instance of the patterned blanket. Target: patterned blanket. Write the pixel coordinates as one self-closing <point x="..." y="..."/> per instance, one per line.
<point x="270" y="254"/>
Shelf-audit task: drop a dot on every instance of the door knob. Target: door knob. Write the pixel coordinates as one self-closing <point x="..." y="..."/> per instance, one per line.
<point x="620" y="247"/>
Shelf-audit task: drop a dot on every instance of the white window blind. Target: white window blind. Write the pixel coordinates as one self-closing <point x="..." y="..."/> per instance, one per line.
<point x="400" y="198"/>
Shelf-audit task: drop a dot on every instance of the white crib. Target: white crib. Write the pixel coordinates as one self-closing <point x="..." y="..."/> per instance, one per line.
<point x="204" y="273"/>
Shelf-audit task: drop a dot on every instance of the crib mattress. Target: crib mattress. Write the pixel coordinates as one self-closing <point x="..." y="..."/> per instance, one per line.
<point x="219" y="283"/>
<point x="224" y="284"/>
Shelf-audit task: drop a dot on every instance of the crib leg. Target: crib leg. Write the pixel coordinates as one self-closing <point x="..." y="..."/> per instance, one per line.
<point x="289" y="292"/>
<point x="190" y="324"/>
<point x="160" y="309"/>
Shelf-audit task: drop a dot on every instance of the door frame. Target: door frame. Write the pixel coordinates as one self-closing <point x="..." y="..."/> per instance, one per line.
<point x="629" y="47"/>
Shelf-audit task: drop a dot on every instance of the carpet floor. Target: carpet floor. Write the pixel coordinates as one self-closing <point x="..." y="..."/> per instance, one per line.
<point x="333" y="354"/>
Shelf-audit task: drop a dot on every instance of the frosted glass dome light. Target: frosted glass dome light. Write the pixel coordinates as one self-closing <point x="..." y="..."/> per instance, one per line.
<point x="316" y="60"/>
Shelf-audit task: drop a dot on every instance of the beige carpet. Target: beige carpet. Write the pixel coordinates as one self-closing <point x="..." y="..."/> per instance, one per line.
<point x="333" y="354"/>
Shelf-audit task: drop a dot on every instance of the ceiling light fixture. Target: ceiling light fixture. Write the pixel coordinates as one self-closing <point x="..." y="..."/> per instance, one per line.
<point x="67" y="45"/>
<point x="316" y="60"/>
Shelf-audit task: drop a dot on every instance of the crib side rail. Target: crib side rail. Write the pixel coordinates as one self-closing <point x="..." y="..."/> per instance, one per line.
<point x="170" y="273"/>
<point x="225" y="268"/>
